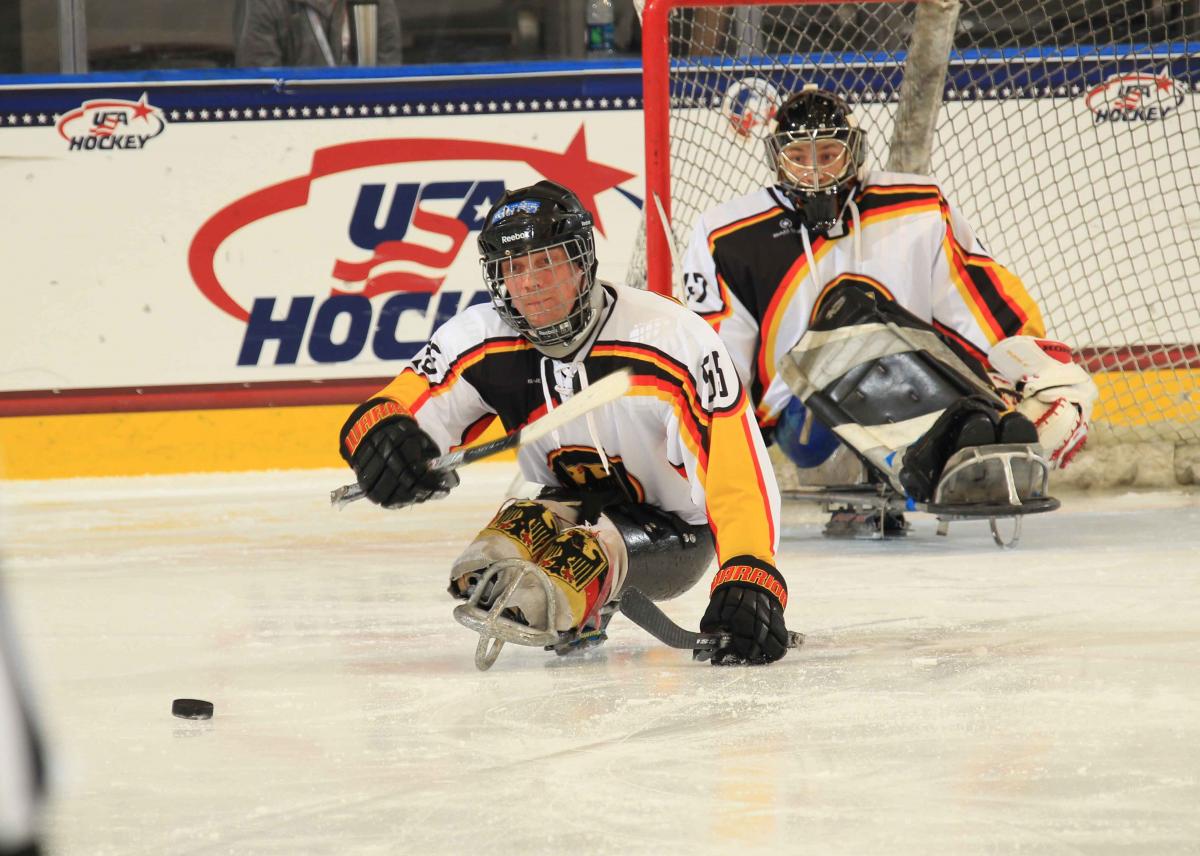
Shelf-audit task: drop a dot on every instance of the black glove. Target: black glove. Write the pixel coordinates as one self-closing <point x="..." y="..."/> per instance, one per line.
<point x="747" y="601"/>
<point x="389" y="452"/>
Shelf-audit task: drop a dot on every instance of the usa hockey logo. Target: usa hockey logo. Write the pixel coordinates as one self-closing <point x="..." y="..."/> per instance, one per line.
<point x="1138" y="97"/>
<point x="749" y="106"/>
<point x="390" y="282"/>
<point x="111" y="125"/>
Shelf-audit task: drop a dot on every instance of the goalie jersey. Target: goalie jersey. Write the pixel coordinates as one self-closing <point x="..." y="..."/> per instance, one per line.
<point x="683" y="438"/>
<point x="750" y="275"/>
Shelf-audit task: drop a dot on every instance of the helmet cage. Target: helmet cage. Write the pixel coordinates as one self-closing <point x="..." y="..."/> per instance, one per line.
<point x="818" y="159"/>
<point x="528" y="287"/>
<point x="538" y="257"/>
<point x="817" y="177"/>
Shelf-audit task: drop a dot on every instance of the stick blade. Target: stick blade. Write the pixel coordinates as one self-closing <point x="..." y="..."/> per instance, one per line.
<point x="346" y="494"/>
<point x="645" y="614"/>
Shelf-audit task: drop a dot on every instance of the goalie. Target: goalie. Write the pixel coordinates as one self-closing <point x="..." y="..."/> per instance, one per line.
<point x="861" y="311"/>
<point x="641" y="493"/>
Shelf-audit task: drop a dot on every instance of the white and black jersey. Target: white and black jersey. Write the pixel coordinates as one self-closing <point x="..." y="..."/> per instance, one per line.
<point x="749" y="274"/>
<point x="683" y="439"/>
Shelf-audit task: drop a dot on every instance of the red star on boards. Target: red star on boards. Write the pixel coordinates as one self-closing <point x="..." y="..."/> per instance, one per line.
<point x="142" y="110"/>
<point x="572" y="168"/>
<point x="587" y="178"/>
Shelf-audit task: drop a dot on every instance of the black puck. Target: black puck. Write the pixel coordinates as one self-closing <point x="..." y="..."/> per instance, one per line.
<point x="192" y="708"/>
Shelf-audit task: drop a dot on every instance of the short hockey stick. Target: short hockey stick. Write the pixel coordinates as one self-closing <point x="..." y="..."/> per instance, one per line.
<point x="676" y="261"/>
<point x="609" y="388"/>
<point x="645" y="614"/>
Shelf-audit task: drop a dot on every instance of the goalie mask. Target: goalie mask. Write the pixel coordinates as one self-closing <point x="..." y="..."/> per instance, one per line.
<point x="539" y="262"/>
<point x="818" y="152"/>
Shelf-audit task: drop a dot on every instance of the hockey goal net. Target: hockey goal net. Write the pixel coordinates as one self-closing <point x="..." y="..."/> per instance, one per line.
<point x="1067" y="131"/>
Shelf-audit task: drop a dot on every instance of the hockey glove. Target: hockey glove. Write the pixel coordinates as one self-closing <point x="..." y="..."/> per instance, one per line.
<point x="389" y="452"/>
<point x="746" y="601"/>
<point x="1056" y="393"/>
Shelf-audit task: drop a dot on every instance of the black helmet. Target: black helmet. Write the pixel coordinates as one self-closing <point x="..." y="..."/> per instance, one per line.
<point x="802" y="122"/>
<point x="522" y="232"/>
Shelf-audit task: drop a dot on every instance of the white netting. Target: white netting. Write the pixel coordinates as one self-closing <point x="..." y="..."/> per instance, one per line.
<point x="1068" y="134"/>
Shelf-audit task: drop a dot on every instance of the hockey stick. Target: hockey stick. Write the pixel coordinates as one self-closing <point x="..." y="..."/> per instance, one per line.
<point x="676" y="262"/>
<point x="608" y="388"/>
<point x="645" y="614"/>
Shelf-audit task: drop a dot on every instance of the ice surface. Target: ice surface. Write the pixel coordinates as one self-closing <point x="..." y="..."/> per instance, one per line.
<point x="952" y="698"/>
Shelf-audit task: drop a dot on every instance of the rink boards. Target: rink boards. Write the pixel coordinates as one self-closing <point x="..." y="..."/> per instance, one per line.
<point x="206" y="272"/>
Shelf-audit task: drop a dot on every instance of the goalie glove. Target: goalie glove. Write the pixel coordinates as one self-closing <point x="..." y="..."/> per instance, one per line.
<point x="746" y="601"/>
<point x="1056" y="394"/>
<point x="389" y="454"/>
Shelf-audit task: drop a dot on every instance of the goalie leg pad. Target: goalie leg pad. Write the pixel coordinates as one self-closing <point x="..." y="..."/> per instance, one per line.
<point x="880" y="387"/>
<point x="852" y="303"/>
<point x="895" y="388"/>
<point x="666" y="555"/>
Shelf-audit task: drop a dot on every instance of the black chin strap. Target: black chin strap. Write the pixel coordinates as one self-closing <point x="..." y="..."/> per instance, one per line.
<point x="812" y="205"/>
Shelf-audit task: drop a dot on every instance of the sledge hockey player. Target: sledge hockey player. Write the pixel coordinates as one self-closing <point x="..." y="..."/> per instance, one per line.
<point x="640" y="492"/>
<point x="860" y="309"/>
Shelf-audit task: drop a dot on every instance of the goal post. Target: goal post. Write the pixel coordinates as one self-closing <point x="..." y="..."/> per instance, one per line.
<point x="1067" y="131"/>
<point x="921" y="89"/>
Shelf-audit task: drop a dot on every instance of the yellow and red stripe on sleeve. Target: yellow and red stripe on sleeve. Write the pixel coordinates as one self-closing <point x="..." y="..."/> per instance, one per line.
<point x="740" y="511"/>
<point x="476" y="429"/>
<point x="487" y="348"/>
<point x="408" y="388"/>
<point x="952" y="336"/>
<point x="715" y="318"/>
<point x="880" y="203"/>
<point x="995" y="296"/>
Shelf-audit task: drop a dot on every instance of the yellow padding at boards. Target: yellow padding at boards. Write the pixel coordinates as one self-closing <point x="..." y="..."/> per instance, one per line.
<point x="186" y="441"/>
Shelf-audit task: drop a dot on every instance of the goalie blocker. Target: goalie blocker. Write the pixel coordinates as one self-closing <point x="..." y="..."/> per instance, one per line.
<point x="910" y="404"/>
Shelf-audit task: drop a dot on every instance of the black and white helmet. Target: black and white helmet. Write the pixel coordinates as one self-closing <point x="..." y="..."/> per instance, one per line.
<point x="539" y="262"/>
<point x="818" y="152"/>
